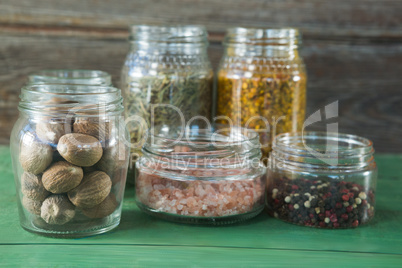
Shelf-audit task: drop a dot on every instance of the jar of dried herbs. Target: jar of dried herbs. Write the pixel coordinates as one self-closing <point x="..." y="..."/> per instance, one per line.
<point x="166" y="79"/>
<point x="262" y="82"/>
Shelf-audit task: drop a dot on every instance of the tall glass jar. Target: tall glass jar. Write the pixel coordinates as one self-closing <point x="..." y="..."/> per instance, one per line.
<point x="70" y="158"/>
<point x="166" y="79"/>
<point x="70" y="76"/>
<point x="262" y="82"/>
<point x="201" y="176"/>
<point x="325" y="180"/>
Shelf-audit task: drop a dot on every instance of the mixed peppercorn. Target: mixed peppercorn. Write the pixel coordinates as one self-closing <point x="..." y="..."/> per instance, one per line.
<point x="320" y="203"/>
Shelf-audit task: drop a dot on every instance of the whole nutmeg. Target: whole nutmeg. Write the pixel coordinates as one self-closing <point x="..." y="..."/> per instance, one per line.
<point x="32" y="187"/>
<point x="50" y="131"/>
<point x="62" y="177"/>
<point x="34" y="156"/>
<point x="57" y="209"/>
<point x="120" y="175"/>
<point x="115" y="156"/>
<point x="80" y="149"/>
<point x="94" y="188"/>
<point x="59" y="104"/>
<point x="92" y="126"/>
<point x="32" y="206"/>
<point x="105" y="208"/>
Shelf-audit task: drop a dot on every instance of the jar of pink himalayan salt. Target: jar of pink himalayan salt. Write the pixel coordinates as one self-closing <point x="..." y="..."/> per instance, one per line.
<point x="201" y="176"/>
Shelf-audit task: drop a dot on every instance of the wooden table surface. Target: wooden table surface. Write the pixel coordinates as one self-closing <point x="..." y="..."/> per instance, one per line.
<point x="141" y="240"/>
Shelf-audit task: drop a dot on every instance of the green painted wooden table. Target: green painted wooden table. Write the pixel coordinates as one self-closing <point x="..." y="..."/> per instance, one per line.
<point x="141" y="240"/>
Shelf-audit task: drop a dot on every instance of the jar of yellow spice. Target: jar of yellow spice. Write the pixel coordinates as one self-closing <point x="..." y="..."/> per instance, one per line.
<point x="261" y="82"/>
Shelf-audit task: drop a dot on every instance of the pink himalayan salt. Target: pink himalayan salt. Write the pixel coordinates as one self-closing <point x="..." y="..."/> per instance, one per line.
<point x="199" y="198"/>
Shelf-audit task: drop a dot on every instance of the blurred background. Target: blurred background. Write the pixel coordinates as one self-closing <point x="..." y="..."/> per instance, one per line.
<point x="352" y="49"/>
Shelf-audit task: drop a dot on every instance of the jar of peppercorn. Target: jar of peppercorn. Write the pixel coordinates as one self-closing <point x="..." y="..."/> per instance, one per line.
<point x="325" y="180"/>
<point x="261" y="82"/>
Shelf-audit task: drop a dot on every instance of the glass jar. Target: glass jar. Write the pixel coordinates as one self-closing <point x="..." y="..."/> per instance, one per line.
<point x="70" y="157"/>
<point x="201" y="176"/>
<point x="262" y="82"/>
<point x="166" y="79"/>
<point x="73" y="77"/>
<point x="319" y="179"/>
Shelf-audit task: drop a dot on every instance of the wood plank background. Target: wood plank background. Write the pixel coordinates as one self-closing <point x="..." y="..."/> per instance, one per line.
<point x="352" y="49"/>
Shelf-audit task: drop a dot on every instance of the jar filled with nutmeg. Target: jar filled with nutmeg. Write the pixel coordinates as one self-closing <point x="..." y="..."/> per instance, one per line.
<point x="70" y="157"/>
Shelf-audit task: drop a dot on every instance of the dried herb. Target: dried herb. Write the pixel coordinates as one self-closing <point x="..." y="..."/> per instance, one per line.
<point x="270" y="95"/>
<point x="191" y="92"/>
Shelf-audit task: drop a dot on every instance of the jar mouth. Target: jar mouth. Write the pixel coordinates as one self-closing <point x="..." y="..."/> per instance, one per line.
<point x="71" y="76"/>
<point x="170" y="34"/>
<point x="62" y="99"/>
<point x="195" y="145"/>
<point x="275" y="37"/>
<point x="331" y="143"/>
<point x="323" y="149"/>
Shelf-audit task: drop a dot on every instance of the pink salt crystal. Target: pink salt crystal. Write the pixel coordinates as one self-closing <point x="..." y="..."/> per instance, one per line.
<point x="199" y="198"/>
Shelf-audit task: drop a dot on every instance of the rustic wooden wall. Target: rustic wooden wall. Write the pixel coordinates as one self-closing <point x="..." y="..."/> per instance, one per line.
<point x="353" y="49"/>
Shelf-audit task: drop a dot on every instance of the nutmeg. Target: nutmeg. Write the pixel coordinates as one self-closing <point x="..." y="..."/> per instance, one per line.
<point x="57" y="209"/>
<point x="62" y="177"/>
<point x="95" y="127"/>
<point x="92" y="120"/>
<point x="34" y="156"/>
<point x="80" y="149"/>
<point x="93" y="189"/>
<point x="32" y="206"/>
<point x="105" y="208"/>
<point x="59" y="104"/>
<point x="32" y="187"/>
<point x="50" y="131"/>
<point x="115" y="156"/>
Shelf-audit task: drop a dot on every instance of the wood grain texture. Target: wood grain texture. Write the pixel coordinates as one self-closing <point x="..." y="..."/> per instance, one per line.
<point x="352" y="49"/>
<point x="366" y="18"/>
<point x="142" y="240"/>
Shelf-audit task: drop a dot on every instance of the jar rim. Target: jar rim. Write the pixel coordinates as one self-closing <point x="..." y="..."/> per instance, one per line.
<point x="276" y="37"/>
<point x="201" y="152"/>
<point x="325" y="151"/>
<point x="59" y="99"/>
<point x="178" y="34"/>
<point x="298" y="143"/>
<point x="71" y="76"/>
<point x="216" y="142"/>
<point x="61" y="89"/>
